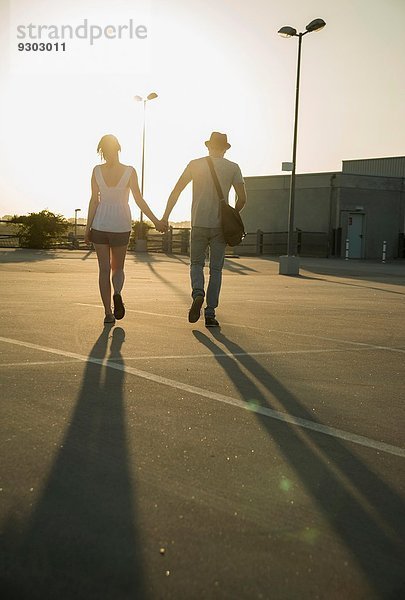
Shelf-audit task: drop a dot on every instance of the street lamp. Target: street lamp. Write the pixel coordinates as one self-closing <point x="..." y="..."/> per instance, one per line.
<point x="289" y="265"/>
<point x="76" y="211"/>
<point x="150" y="96"/>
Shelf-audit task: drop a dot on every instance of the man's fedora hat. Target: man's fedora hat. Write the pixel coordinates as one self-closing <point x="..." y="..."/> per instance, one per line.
<point x="218" y="140"/>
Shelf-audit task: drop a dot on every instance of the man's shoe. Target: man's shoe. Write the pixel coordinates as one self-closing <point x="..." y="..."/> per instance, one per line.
<point x="211" y="322"/>
<point x="195" y="310"/>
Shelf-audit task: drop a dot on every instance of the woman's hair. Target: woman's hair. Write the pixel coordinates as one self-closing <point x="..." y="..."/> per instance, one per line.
<point x="108" y="144"/>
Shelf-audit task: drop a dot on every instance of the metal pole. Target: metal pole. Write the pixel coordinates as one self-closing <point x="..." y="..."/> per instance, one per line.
<point x="384" y="253"/>
<point x="259" y="242"/>
<point x="294" y="156"/>
<point x="75" y="224"/>
<point x="170" y="240"/>
<point x="143" y="153"/>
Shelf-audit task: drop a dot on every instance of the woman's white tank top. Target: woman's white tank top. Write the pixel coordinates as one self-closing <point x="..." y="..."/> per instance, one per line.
<point x="113" y="212"/>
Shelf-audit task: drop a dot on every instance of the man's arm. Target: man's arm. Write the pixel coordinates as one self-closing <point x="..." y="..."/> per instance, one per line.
<point x="240" y="195"/>
<point x="174" y="196"/>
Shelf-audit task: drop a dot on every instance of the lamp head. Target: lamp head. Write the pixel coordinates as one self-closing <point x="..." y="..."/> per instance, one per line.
<point x="287" y="31"/>
<point x="152" y="96"/>
<point x="138" y="98"/>
<point x="315" y="25"/>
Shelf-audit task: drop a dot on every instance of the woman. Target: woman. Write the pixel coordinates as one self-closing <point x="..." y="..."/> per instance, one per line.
<point x="109" y="221"/>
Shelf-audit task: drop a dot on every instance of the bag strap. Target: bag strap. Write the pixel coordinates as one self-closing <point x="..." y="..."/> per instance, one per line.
<point x="215" y="178"/>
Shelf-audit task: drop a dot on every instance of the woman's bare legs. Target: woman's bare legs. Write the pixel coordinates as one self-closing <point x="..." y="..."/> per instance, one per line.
<point x="117" y="267"/>
<point x="103" y="256"/>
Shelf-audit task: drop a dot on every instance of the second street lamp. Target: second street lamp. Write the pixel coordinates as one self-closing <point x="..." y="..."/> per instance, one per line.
<point x="76" y="211"/>
<point x="150" y="96"/>
<point x="289" y="265"/>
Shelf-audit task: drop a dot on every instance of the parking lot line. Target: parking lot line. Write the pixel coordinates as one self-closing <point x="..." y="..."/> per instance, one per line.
<point x="231" y="354"/>
<point x="36" y="363"/>
<point x="262" y="410"/>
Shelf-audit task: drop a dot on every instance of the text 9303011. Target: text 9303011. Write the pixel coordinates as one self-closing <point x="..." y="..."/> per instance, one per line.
<point x="42" y="47"/>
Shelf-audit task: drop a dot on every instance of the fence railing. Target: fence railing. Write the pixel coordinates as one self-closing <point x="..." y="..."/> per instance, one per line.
<point x="9" y="241"/>
<point x="177" y="241"/>
<point x="401" y="245"/>
<point x="74" y="238"/>
<point x="305" y="243"/>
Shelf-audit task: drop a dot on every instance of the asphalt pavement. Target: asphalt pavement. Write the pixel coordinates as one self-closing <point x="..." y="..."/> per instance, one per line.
<point x="158" y="459"/>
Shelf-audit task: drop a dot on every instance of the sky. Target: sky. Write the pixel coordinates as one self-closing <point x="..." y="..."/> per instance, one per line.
<point x="216" y="65"/>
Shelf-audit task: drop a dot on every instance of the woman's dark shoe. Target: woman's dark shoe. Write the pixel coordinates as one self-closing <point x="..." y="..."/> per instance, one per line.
<point x="195" y="310"/>
<point x="119" y="308"/>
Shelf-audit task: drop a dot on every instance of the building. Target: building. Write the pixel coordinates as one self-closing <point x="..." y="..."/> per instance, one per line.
<point x="364" y="204"/>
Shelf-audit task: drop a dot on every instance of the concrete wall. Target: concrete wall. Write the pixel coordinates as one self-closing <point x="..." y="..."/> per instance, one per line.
<point x="323" y="203"/>
<point x="381" y="201"/>
<point x="268" y="201"/>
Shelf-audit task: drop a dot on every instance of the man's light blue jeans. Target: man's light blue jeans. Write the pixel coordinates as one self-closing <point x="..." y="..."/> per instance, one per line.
<point x="201" y="239"/>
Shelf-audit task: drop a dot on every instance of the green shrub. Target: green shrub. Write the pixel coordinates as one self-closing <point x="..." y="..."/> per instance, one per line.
<point x="40" y="230"/>
<point x="139" y="232"/>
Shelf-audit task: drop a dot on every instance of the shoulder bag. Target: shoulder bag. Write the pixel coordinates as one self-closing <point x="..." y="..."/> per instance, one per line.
<point x="231" y="222"/>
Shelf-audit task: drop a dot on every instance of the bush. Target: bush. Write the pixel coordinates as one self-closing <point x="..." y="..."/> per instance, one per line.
<point x="40" y="230"/>
<point x="139" y="232"/>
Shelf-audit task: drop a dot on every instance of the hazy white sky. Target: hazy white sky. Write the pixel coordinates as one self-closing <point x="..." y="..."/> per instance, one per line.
<point x="216" y="65"/>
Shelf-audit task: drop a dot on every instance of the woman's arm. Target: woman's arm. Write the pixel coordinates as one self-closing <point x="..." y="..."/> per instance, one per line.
<point x="94" y="200"/>
<point x="133" y="184"/>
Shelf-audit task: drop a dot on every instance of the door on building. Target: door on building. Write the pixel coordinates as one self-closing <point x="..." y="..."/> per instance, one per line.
<point x="355" y="232"/>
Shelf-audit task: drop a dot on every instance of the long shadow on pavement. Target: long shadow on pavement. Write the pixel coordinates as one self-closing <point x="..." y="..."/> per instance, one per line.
<point x="368" y="287"/>
<point x="236" y="267"/>
<point x="81" y="541"/>
<point x="149" y="259"/>
<point x="363" y="510"/>
<point x="368" y="271"/>
<point x="179" y="291"/>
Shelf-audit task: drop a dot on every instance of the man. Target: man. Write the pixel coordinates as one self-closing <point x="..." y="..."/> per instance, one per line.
<point x="206" y="228"/>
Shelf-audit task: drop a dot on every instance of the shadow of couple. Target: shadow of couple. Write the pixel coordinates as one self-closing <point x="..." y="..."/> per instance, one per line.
<point x="363" y="510"/>
<point x="81" y="540"/>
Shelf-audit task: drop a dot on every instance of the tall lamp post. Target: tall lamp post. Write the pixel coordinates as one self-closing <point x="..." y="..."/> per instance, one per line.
<point x="289" y="265"/>
<point x="150" y="96"/>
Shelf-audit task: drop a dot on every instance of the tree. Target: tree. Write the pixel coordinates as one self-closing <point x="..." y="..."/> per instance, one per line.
<point x="39" y="230"/>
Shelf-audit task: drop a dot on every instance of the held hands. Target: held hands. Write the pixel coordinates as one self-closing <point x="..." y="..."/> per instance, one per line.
<point x="161" y="226"/>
